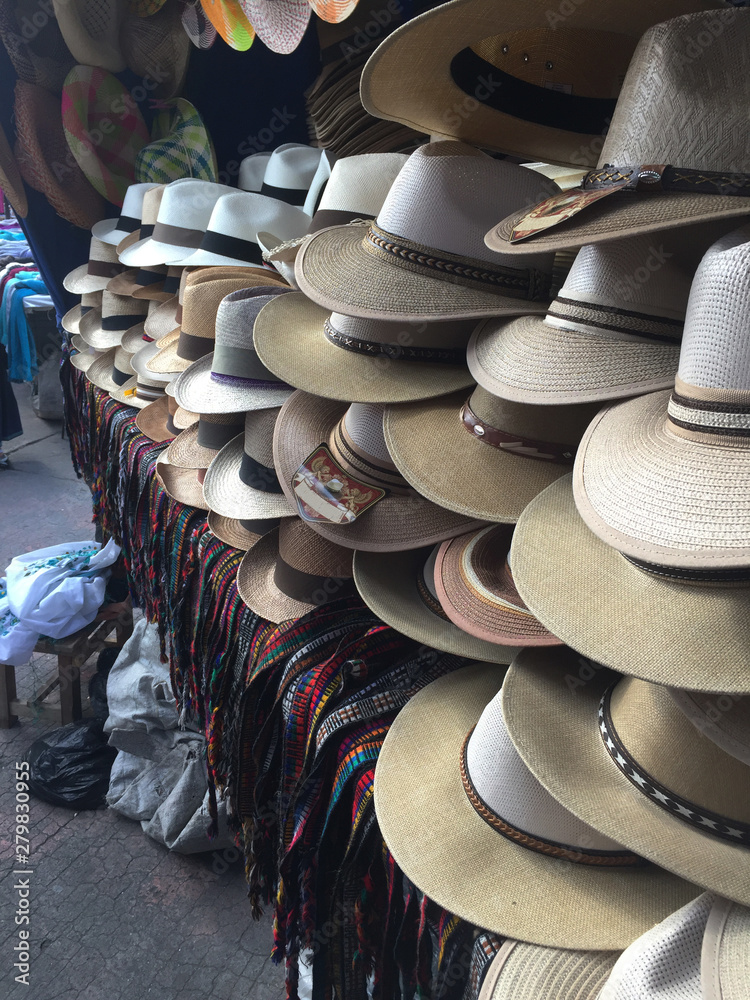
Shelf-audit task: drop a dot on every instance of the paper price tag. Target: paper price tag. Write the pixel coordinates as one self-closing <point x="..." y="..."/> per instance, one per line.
<point x="325" y="492"/>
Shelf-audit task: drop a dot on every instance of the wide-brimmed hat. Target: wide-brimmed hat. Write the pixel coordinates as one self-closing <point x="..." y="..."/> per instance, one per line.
<point x="91" y="29"/>
<point x="646" y="775"/>
<point x="183" y="485"/>
<point x="161" y="420"/>
<point x="197" y="446"/>
<point x="522" y="971"/>
<point x="290" y="172"/>
<point x="148" y="215"/>
<point x="138" y="391"/>
<point x="657" y="170"/>
<point x="232" y="377"/>
<point x="400" y="588"/>
<point x="72" y="318"/>
<point x="333" y="11"/>
<point x="11" y="183"/>
<point x="475" y="588"/>
<point x="96" y="274"/>
<point x="480" y="455"/>
<point x="240" y="534"/>
<point x="136" y="338"/>
<point x="450" y="745"/>
<point x="230" y="22"/>
<point x="292" y="570"/>
<point x="251" y="171"/>
<point x="39" y="56"/>
<point x="370" y="360"/>
<point x="424" y="257"/>
<point x="108" y="373"/>
<point x="103" y="140"/>
<point x="665" y="478"/>
<point x="157" y="49"/>
<point x="197" y="26"/>
<point x="142" y="283"/>
<point x="390" y="515"/>
<point x="180" y="147"/>
<point x="115" y="230"/>
<point x="279" y="25"/>
<point x="86" y="356"/>
<point x="118" y="313"/>
<point x="162" y="318"/>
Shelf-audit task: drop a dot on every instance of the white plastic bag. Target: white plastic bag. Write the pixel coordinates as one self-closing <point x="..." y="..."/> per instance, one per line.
<point x="16" y="640"/>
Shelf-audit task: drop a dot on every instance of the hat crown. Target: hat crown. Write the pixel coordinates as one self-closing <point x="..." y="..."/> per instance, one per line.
<point x="122" y="305"/>
<point x="152" y="200"/>
<point x="237" y="313"/>
<point x="259" y="427"/>
<point x="188" y="204"/>
<point x="724" y="720"/>
<point x="361" y="183"/>
<point x="132" y="204"/>
<point x="201" y="301"/>
<point x="450" y="334"/>
<point x="304" y="549"/>
<point x="243" y="214"/>
<point x="252" y="170"/>
<point x="102" y="251"/>
<point x="292" y="165"/>
<point x="363" y="423"/>
<point x="557" y="424"/>
<point x="685" y="96"/>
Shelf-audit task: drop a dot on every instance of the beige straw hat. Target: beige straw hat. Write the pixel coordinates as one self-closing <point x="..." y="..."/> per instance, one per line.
<point x="198" y="445"/>
<point x="680" y="168"/>
<point x="372" y="361"/>
<point x="142" y="224"/>
<point x="480" y="455"/>
<point x="665" y="479"/>
<point x="472" y="828"/>
<point x="159" y="420"/>
<point x="645" y="776"/>
<point x="162" y="318"/>
<point x="95" y="275"/>
<point x="138" y="391"/>
<point x="91" y="31"/>
<point x="292" y="570"/>
<point x="86" y="358"/>
<point x="239" y="534"/>
<point x="108" y="373"/>
<point x="522" y="971"/>
<point x="72" y="318"/>
<point x="118" y="313"/>
<point x="400" y="588"/>
<point x="183" y="485"/>
<point x="424" y="257"/>
<point x="402" y="519"/>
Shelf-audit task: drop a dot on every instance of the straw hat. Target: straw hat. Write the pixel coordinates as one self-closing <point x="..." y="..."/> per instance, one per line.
<point x="241" y="481"/>
<point x="251" y="171"/>
<point x="183" y="485"/>
<point x="292" y="570"/>
<point x="613" y="330"/>
<point x="232" y="377"/>
<point x="108" y="373"/>
<point x="646" y="776"/>
<point x="490" y="844"/>
<point x="522" y="971"/>
<point x="162" y="318"/>
<point x="333" y="11"/>
<point x="402" y="519"/>
<point x="163" y="419"/>
<point x="87" y="356"/>
<point x="113" y="231"/>
<point x="157" y="42"/>
<point x="136" y="338"/>
<point x="95" y="275"/>
<point x="291" y="169"/>
<point x="230" y="22"/>
<point x="40" y="56"/>
<point x="698" y="60"/>
<point x="372" y="361"/>
<point x="400" y="588"/>
<point x="239" y="534"/>
<point x="197" y="26"/>
<point x="105" y="329"/>
<point x="180" y="147"/>
<point x="138" y="391"/>
<point x="72" y="318"/>
<point x="197" y="446"/>
<point x="91" y="30"/>
<point x="11" y="183"/>
<point x="147" y="219"/>
<point x="483" y="457"/>
<point x="279" y="25"/>
<point x="665" y="479"/>
<point x="424" y="257"/>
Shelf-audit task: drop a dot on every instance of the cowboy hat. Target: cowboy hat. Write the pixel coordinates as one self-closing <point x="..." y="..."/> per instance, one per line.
<point x="91" y="31"/>
<point x="180" y="147"/>
<point x="522" y="971"/>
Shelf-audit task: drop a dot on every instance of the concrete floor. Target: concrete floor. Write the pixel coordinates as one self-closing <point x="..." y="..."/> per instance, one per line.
<point x="113" y="915"/>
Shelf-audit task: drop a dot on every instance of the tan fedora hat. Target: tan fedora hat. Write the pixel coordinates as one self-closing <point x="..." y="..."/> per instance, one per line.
<point x="665" y="478"/>
<point x="645" y="774"/>
<point x="183" y="485"/>
<point x="158" y="420"/>
<point x="138" y="391"/>
<point x="72" y="318"/>
<point x="291" y="570"/>
<point x="424" y="257"/>
<point x="86" y="357"/>
<point x="483" y="456"/>
<point x="400" y="588"/>
<point x="241" y="481"/>
<point x="95" y="275"/>
<point x="197" y="446"/>
<point x="109" y="373"/>
<point x="372" y="361"/>
<point x="401" y="519"/>
<point x="522" y="971"/>
<point x="475" y="588"/>
<point x="240" y="534"/>
<point x="491" y="845"/>
<point x="119" y="313"/>
<point x="674" y="175"/>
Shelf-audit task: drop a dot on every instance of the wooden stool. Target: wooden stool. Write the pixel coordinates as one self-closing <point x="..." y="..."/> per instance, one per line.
<point x="71" y="652"/>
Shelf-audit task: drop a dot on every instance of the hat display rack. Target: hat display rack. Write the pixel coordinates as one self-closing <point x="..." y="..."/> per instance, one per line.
<point x="427" y="442"/>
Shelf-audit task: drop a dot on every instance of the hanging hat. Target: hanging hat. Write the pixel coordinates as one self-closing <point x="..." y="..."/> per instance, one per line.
<point x="292" y="570"/>
<point x="333" y="11"/>
<point x="95" y="275"/>
<point x="113" y="231"/>
<point x="424" y="257"/>
<point x="104" y="129"/>
<point x="196" y="25"/>
<point x="118" y="313"/>
<point x="370" y="360"/>
<point x="492" y="845"/>
<point x="108" y="373"/>
<point x="658" y="168"/>
<point x="180" y="147"/>
<point x="138" y="391"/>
<point x="157" y="49"/>
<point x="614" y="328"/>
<point x="521" y="971"/>
<point x="39" y="56"/>
<point x="197" y="446"/>
<point x="183" y="485"/>
<point x="91" y="30"/>
<point x="390" y="516"/>
<point x="159" y="420"/>
<point x="87" y="356"/>
<point x="647" y="776"/>
<point x="290" y="171"/>
<point x="280" y="24"/>
<point x="240" y="534"/>
<point x="483" y="456"/>
<point x="11" y="183"/>
<point x="230" y="22"/>
<point x="72" y="318"/>
<point x="400" y="588"/>
<point x="665" y="478"/>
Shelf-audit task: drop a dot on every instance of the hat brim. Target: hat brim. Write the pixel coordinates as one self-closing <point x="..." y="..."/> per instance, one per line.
<point x="290" y="341"/>
<point x="530" y="361"/>
<point x="230" y="531"/>
<point x="163" y="319"/>
<point x="256" y="586"/>
<point x="457" y="859"/>
<point x="196" y="390"/>
<point x="79" y="281"/>
<point x="90" y="328"/>
<point x="522" y="971"/>
<point x="181" y="484"/>
<point x="100" y="373"/>
<point x="152" y="421"/>
<point x="123" y="283"/>
<point x="650" y="627"/>
<point x="166" y="359"/>
<point x="387" y="583"/>
<point x="333" y="269"/>
<point x="124" y="394"/>
<point x="72" y="319"/>
<point x="133" y="339"/>
<point x="151" y="251"/>
<point x="552" y="723"/>
<point x="228" y="495"/>
<point x="106" y="231"/>
<point x="280" y="25"/>
<point x="186" y="453"/>
<point x="140" y="359"/>
<point x="394" y="523"/>
<point x="152" y="293"/>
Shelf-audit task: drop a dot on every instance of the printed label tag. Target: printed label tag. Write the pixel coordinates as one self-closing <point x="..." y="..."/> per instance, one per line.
<point x="324" y="492"/>
<point x="559" y="208"/>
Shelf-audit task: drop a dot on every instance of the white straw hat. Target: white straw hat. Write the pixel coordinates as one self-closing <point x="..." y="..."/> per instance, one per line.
<point x="290" y="171"/>
<point x="95" y="275"/>
<point x="113" y="231"/>
<point x="118" y="313"/>
<point x="72" y="318"/>
<point x="522" y="971"/>
<point x="251" y="171"/>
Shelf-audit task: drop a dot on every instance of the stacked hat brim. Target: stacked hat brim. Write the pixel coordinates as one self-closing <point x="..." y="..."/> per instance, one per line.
<point x="522" y="971"/>
<point x="196" y="390"/>
<point x="141" y="364"/>
<point x="182" y="485"/>
<point x="187" y="452"/>
<point x="256" y="585"/>
<point x="100" y="373"/>
<point x="127" y="395"/>
<point x="231" y="531"/>
<point x="91" y="329"/>
<point x="163" y="319"/>
<point x="135" y="339"/>
<point x="226" y="494"/>
<point x="86" y="358"/>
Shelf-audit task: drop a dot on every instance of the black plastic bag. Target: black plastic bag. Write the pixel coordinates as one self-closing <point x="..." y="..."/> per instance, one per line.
<point x="71" y="766"/>
<point x="98" y="683"/>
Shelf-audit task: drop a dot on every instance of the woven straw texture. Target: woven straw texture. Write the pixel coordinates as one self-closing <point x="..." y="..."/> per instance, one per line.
<point x="187" y="452"/>
<point x="333" y="11"/>
<point x="79" y="281"/>
<point x="280" y="24"/>
<point x="229" y="530"/>
<point x="531" y="972"/>
<point x="140" y="364"/>
<point x="197" y="26"/>
<point x="11" y="182"/>
<point x="180" y="147"/>
<point x="727" y="725"/>
<point x="162" y="319"/>
<point x="451" y="851"/>
<point x="731" y="964"/>
<point x="152" y="420"/>
<point x="230" y="22"/>
<point x="43" y="59"/>
<point x="91" y="31"/>
<point x="100" y="373"/>
<point x="134" y="339"/>
<point x="85" y="359"/>
<point x="72" y="318"/>
<point x="127" y="312"/>
<point x="157" y="42"/>
<point x="181" y="484"/>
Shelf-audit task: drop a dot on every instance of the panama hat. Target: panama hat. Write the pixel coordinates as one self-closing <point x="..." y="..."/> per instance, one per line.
<point x="370" y="360"/>
<point x="699" y="175"/>
<point x="279" y="25"/>
<point x="613" y="330"/>
<point x="424" y="257"/>
<point x="290" y="171"/>
<point x="400" y="588"/>
<point x="108" y="372"/>
<point x="86" y="356"/>
<point x="230" y="22"/>
<point x="665" y="479"/>
<point x="162" y="318"/>
<point x="136" y="338"/>
<point x="483" y="457"/>
<point x="142" y="283"/>
<point x="197" y="446"/>
<point x="91" y="30"/>
<point x="72" y="318"/>
<point x="240" y="534"/>
<point x="183" y="485"/>
<point x="197" y="26"/>
<point x="232" y="377"/>
<point x="138" y="391"/>
<point x="645" y="776"/>
<point x="522" y="971"/>
<point x="358" y="458"/>
<point x="39" y="56"/>
<point x="11" y="183"/>
<point x="148" y="216"/>
<point x="157" y="49"/>
<point x="291" y="570"/>
<point x="241" y="481"/>
<point x="251" y="171"/>
<point x="160" y="420"/>
<point x="95" y="275"/>
<point x="180" y="147"/>
<point x="118" y="313"/>
<point x="500" y="850"/>
<point x="115" y="230"/>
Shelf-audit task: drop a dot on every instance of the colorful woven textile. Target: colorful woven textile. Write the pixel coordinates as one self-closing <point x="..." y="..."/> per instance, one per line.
<point x="180" y="147"/>
<point x="197" y="26"/>
<point x="230" y="22"/>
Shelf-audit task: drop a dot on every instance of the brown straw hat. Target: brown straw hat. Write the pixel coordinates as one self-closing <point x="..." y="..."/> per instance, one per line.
<point x="644" y="775"/>
<point x="424" y="257"/>
<point x="372" y="361"/>
<point x="72" y="318"/>
<point x="11" y="182"/>
<point x="96" y="274"/>
<point x="483" y="456"/>
<point x="198" y="445"/>
<point x="158" y="420"/>
<point x="109" y="373"/>
<point x="400" y="588"/>
<point x="522" y="971"/>
<point x="292" y="570"/>
<point x="138" y="391"/>
<point x="491" y="845"/>
<point x="475" y="588"/>
<point x="34" y="44"/>
<point x="183" y="485"/>
<point x="119" y="313"/>
<point x="239" y="534"/>
<point x="402" y="519"/>
<point x="701" y="60"/>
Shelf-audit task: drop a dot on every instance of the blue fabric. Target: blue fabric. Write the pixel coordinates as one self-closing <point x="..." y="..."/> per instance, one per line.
<point x="15" y="335"/>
